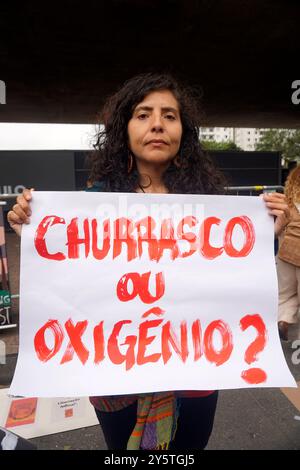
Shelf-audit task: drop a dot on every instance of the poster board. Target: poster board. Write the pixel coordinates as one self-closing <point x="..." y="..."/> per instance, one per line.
<point x="137" y="293"/>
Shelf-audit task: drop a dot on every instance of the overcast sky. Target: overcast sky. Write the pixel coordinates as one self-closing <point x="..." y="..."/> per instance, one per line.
<point x="46" y="136"/>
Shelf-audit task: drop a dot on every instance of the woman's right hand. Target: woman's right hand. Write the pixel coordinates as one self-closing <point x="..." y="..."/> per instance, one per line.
<point x="20" y="212"/>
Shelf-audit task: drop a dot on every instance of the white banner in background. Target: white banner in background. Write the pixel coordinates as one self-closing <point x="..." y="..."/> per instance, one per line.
<point x="133" y="293"/>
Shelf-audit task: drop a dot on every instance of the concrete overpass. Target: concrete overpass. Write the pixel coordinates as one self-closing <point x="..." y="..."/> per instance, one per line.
<point x="60" y="60"/>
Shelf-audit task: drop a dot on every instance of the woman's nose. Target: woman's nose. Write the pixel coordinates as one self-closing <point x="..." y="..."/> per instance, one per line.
<point x="156" y="124"/>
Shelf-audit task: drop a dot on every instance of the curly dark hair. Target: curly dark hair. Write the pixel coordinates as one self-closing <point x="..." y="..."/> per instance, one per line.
<point x="196" y="173"/>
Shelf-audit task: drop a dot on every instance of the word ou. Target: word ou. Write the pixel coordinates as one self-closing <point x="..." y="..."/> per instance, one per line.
<point x="136" y="345"/>
<point x="296" y="94"/>
<point x="7" y="189"/>
<point x="2" y="352"/>
<point x="296" y="354"/>
<point x="2" y="92"/>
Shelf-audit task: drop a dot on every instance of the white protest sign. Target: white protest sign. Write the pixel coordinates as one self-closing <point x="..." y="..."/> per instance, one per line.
<point x="133" y="293"/>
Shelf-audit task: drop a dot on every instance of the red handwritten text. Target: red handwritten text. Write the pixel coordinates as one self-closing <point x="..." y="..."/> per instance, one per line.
<point x="124" y="233"/>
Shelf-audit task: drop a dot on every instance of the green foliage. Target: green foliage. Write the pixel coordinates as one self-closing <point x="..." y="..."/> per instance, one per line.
<point x="212" y="145"/>
<point x="286" y="141"/>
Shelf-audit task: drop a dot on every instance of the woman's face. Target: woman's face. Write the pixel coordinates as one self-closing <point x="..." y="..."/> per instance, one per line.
<point x="155" y="129"/>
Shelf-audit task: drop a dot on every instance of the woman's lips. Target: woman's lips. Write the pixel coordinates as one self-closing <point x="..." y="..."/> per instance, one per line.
<point x="157" y="142"/>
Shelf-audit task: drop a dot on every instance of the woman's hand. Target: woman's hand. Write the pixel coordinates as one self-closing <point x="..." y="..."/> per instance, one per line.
<point x="20" y="212"/>
<point x="277" y="206"/>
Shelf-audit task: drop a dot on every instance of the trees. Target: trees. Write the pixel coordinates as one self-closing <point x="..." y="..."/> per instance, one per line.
<point x="286" y="141"/>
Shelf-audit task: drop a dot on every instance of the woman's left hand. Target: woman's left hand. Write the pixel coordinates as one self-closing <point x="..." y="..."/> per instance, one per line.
<point x="277" y="206"/>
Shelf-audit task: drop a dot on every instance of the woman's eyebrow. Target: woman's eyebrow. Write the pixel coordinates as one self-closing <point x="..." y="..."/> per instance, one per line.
<point x="150" y="108"/>
<point x="170" y="109"/>
<point x="142" y="108"/>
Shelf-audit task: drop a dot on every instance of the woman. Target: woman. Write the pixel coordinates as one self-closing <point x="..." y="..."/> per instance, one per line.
<point x="150" y="144"/>
<point x="288" y="260"/>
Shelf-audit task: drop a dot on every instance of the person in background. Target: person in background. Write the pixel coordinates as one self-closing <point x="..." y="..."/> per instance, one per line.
<point x="288" y="259"/>
<point x="150" y="144"/>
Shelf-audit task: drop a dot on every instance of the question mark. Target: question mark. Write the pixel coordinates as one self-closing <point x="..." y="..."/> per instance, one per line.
<point x="254" y="375"/>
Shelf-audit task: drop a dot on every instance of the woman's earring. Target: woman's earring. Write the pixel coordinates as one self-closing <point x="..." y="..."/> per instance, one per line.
<point x="129" y="162"/>
<point x="177" y="161"/>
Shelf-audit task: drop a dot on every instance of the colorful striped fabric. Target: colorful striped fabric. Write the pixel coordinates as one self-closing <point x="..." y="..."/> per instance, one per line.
<point x="156" y="421"/>
<point x="157" y="415"/>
